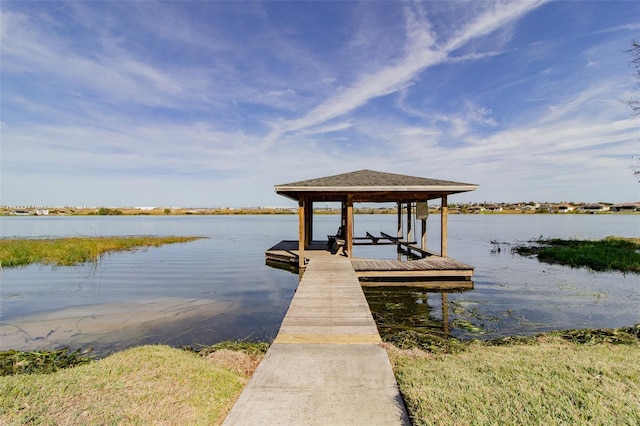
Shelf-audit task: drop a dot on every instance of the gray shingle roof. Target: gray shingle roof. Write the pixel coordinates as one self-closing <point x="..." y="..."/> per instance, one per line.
<point x="363" y="181"/>
<point x="368" y="178"/>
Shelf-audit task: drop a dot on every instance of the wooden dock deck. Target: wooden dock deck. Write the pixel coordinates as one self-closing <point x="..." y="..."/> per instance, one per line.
<point x="329" y="307"/>
<point x="326" y="365"/>
<point x="431" y="267"/>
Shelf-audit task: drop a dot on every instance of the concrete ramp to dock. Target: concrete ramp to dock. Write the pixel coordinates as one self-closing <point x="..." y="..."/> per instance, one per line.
<point x="326" y="366"/>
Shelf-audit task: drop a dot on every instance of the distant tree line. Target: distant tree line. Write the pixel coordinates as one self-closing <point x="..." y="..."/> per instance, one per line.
<point x="104" y="211"/>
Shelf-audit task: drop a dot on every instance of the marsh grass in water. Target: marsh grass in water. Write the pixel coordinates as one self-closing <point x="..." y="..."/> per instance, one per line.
<point x="613" y="336"/>
<point x="75" y="250"/>
<point x="609" y="254"/>
<point x="249" y="348"/>
<point x="19" y="362"/>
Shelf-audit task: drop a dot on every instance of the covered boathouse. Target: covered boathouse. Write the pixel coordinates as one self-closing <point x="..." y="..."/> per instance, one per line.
<point x="411" y="195"/>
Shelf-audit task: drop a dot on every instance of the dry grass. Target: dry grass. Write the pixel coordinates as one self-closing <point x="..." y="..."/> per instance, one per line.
<point x="144" y="385"/>
<point x="238" y="362"/>
<point x="549" y="382"/>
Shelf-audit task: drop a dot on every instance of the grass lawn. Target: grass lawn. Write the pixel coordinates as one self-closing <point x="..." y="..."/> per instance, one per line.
<point x="551" y="381"/>
<point x="143" y="385"/>
<point x="546" y="380"/>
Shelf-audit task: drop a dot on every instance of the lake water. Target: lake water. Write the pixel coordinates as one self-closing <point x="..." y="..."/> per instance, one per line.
<point x="219" y="288"/>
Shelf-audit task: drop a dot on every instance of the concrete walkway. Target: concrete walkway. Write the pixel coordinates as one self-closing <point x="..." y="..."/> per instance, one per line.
<point x="325" y="367"/>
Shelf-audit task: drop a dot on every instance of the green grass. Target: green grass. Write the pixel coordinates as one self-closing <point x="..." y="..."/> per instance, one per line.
<point x="74" y="251"/>
<point x="547" y="381"/>
<point x="144" y="385"/>
<point x="565" y="377"/>
<point x="609" y="254"/>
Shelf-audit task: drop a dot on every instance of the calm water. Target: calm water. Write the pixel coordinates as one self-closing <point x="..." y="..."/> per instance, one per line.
<point x="219" y="288"/>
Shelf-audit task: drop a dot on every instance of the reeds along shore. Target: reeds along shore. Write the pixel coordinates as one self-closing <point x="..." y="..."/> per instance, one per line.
<point x="609" y="254"/>
<point x="75" y="250"/>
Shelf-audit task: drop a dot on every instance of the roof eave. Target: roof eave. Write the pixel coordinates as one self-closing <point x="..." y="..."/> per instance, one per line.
<point x="431" y="189"/>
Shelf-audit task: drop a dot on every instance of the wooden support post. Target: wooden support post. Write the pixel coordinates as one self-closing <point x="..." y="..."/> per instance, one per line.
<point x="400" y="232"/>
<point x="444" y="210"/>
<point x="301" y="231"/>
<point x="422" y="213"/>
<point x="349" y="226"/>
<point x="409" y="223"/>
<point x="308" y="216"/>
<point x="400" y="229"/>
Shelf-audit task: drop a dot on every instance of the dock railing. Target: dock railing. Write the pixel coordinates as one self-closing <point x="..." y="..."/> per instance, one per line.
<point x="409" y="246"/>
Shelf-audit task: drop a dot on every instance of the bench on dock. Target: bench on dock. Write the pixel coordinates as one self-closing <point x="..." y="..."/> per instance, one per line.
<point x="337" y="240"/>
<point x="332" y="239"/>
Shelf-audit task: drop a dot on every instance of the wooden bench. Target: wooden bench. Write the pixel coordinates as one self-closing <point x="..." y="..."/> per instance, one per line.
<point x="333" y="238"/>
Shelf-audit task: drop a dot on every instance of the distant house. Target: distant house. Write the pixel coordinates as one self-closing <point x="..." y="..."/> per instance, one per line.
<point x="493" y="208"/>
<point x="476" y="209"/>
<point x="626" y="207"/>
<point x="593" y="208"/>
<point x="565" y="208"/>
<point x="30" y="212"/>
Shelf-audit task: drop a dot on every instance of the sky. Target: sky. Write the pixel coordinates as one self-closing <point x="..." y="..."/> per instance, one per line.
<point x="212" y="103"/>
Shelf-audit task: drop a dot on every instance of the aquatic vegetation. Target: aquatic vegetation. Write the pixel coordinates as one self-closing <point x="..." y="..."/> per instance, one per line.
<point x="409" y="325"/>
<point x="250" y="348"/>
<point x="406" y="320"/>
<point x="609" y="254"/>
<point x="75" y="250"/>
<point x="18" y="362"/>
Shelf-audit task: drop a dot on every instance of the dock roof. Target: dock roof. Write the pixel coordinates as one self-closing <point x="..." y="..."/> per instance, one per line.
<point x="372" y="186"/>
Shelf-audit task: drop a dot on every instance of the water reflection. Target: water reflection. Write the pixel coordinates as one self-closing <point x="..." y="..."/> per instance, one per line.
<point x="397" y="310"/>
<point x="513" y="295"/>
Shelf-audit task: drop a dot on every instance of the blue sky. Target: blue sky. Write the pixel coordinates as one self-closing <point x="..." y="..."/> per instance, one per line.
<point x="196" y="103"/>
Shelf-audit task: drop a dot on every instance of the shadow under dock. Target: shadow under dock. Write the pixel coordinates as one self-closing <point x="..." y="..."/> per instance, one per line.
<point x="432" y="271"/>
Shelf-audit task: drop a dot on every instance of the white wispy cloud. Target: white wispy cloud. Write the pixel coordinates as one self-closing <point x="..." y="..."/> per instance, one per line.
<point x="201" y="93"/>
<point x="420" y="53"/>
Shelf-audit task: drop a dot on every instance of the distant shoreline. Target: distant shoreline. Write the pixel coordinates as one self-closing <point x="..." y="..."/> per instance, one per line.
<point x="166" y="211"/>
